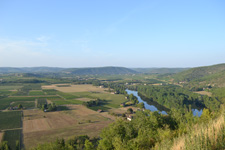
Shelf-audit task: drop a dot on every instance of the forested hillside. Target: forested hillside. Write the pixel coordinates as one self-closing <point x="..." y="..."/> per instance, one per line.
<point x="202" y="76"/>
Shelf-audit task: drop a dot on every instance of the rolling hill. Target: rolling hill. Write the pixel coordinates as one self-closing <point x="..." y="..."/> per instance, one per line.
<point x="76" y="71"/>
<point x="100" y="70"/>
<point x="30" y="69"/>
<point x="159" y="70"/>
<point x="214" y="75"/>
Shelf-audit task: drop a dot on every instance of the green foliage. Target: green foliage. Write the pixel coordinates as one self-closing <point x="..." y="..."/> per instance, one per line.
<point x="92" y="103"/>
<point x="44" y="106"/>
<point x="141" y="105"/>
<point x="4" y="145"/>
<point x="41" y="102"/>
<point x="130" y="111"/>
<point x="82" y="142"/>
<point x="202" y="76"/>
<point x="10" y="119"/>
<point x="142" y="132"/>
<point x="13" y="138"/>
<point x="177" y="97"/>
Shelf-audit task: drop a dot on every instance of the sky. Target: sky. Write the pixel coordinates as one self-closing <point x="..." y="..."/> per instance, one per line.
<point x="127" y="33"/>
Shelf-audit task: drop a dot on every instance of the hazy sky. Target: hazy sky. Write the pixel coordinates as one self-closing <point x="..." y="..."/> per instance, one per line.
<point x="129" y="33"/>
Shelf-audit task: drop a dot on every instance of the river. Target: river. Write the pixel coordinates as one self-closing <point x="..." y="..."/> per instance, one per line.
<point x="156" y="107"/>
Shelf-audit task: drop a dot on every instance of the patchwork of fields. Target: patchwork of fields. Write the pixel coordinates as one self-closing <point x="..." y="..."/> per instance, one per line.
<point x="39" y="127"/>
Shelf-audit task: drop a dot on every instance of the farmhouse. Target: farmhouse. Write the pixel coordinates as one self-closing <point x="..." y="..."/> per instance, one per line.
<point x="13" y="108"/>
<point x="99" y="110"/>
<point x="129" y="117"/>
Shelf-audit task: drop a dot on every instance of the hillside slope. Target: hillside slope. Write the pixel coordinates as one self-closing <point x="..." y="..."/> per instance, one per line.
<point x="214" y="75"/>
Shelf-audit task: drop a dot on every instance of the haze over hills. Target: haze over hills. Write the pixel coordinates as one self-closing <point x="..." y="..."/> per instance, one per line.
<point x="30" y="69"/>
<point x="89" y="70"/>
<point x="100" y="70"/>
<point x="214" y="74"/>
<point x="78" y="71"/>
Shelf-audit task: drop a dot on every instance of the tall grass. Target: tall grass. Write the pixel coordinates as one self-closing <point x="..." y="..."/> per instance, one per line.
<point x="204" y="136"/>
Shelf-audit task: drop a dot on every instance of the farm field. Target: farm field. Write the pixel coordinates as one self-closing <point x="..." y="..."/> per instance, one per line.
<point x="63" y="102"/>
<point x="36" y="93"/>
<point x="10" y="120"/>
<point x="12" y="136"/>
<point x="7" y="92"/>
<point x="10" y="87"/>
<point x="75" y="88"/>
<point x="84" y="99"/>
<point x="113" y="100"/>
<point x="40" y="127"/>
<point x="89" y="92"/>
<point x="26" y="104"/>
<point x="5" y="102"/>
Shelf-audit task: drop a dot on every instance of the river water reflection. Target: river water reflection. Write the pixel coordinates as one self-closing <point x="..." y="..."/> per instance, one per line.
<point x="153" y="106"/>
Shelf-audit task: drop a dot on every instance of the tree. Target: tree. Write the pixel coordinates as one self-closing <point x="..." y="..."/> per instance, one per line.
<point x="88" y="145"/>
<point x="130" y="111"/>
<point x="4" y="146"/>
<point x="141" y="105"/>
<point x="17" y="145"/>
<point x="20" y="106"/>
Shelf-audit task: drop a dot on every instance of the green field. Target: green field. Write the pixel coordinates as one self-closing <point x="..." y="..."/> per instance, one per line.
<point x="95" y="108"/>
<point x="67" y="96"/>
<point x="12" y="136"/>
<point x="113" y="100"/>
<point x="36" y="93"/>
<point x="14" y="99"/>
<point x="10" y="120"/>
<point x="5" y="102"/>
<point x="64" y="102"/>
<point x="7" y="92"/>
<point x="50" y="91"/>
<point x="10" y="87"/>
<point x="64" y="95"/>
<point x="24" y="104"/>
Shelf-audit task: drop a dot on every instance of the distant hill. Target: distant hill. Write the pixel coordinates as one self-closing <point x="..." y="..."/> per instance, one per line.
<point x="77" y="71"/>
<point x="159" y="70"/>
<point x="30" y="69"/>
<point x="100" y="70"/>
<point x="214" y="75"/>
